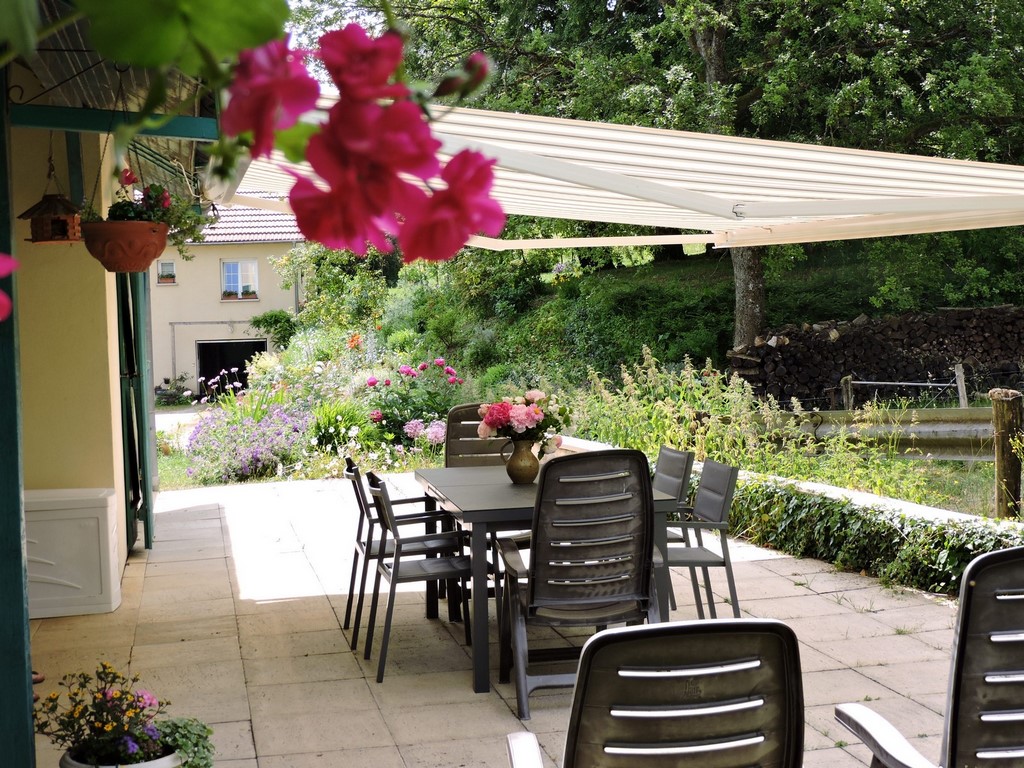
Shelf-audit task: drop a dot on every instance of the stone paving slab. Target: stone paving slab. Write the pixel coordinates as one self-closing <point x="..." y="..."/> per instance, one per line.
<point x="236" y="616"/>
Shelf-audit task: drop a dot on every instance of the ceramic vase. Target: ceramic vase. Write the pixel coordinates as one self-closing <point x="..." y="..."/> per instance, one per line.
<point x="522" y="466"/>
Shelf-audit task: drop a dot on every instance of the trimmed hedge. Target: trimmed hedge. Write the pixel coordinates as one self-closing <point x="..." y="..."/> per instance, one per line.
<point x="900" y="549"/>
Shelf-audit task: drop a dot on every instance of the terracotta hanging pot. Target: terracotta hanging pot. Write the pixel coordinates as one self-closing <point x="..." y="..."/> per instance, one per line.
<point x="125" y="246"/>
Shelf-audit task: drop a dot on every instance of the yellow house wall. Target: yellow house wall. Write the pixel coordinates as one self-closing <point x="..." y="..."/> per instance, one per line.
<point x="191" y="309"/>
<point x="67" y="323"/>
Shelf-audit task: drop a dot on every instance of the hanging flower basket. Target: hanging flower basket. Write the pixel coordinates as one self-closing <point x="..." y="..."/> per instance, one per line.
<point x="125" y="246"/>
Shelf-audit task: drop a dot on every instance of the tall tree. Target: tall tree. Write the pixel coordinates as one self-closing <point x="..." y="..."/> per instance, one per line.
<point x="932" y="77"/>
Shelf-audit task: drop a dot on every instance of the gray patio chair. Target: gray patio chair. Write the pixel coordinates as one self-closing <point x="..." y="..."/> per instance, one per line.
<point x="710" y="513"/>
<point x="689" y="694"/>
<point x="985" y="700"/>
<point x="367" y="545"/>
<point x="672" y="471"/>
<point x="590" y="562"/>
<point x="463" y="447"/>
<point x="438" y="564"/>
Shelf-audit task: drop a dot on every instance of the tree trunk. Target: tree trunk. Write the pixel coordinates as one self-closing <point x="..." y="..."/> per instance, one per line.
<point x="748" y="279"/>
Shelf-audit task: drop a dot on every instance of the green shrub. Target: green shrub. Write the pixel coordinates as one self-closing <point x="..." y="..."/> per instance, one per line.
<point x="279" y="324"/>
<point x="335" y="422"/>
<point x="900" y="549"/>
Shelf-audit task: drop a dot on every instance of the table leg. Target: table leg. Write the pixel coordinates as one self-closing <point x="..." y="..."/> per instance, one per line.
<point x="481" y="661"/>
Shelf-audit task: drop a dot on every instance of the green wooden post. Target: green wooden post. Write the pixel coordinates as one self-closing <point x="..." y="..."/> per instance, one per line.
<point x="16" y="733"/>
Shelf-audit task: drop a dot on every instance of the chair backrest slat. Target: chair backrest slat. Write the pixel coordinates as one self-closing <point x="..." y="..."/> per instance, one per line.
<point x="714" y="494"/>
<point x="986" y="696"/>
<point x="672" y="473"/>
<point x="724" y="693"/>
<point x="599" y="507"/>
<point x="463" y="447"/>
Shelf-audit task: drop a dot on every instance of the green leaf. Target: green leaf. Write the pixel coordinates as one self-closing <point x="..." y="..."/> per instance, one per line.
<point x="18" y="26"/>
<point x="292" y="141"/>
<point x="226" y="27"/>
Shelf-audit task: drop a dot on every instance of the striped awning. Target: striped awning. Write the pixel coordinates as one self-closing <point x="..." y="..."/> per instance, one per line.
<point x="723" y="190"/>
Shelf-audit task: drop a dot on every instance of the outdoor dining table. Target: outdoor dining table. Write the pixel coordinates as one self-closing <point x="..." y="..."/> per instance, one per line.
<point x="485" y="501"/>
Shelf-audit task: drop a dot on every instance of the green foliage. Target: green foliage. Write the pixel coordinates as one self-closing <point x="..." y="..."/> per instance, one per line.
<point x="914" y="552"/>
<point x="190" y="739"/>
<point x="278" y="324"/>
<point x="719" y="418"/>
<point x="425" y="392"/>
<point x="335" y="421"/>
<point x="497" y="284"/>
<point x="341" y="289"/>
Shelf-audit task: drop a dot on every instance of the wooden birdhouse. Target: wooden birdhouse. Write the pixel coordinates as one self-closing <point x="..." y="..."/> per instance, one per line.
<point x="55" y="219"/>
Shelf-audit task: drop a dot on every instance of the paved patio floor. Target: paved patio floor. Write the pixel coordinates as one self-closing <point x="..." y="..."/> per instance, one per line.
<point x="235" y="616"/>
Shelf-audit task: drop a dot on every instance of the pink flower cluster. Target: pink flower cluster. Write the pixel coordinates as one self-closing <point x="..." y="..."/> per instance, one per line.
<point x="7" y="265"/>
<point x="375" y="158"/>
<point x="533" y="416"/>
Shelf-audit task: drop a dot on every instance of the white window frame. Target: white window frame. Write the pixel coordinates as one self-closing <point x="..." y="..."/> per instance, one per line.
<point x="166" y="268"/>
<point x="237" y="275"/>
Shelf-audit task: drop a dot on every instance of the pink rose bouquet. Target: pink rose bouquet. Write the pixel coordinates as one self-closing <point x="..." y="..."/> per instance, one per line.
<point x="533" y="416"/>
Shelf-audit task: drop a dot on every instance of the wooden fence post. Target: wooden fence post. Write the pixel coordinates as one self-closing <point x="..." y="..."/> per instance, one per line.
<point x="961" y="384"/>
<point x="1007" y="422"/>
<point x="846" y="386"/>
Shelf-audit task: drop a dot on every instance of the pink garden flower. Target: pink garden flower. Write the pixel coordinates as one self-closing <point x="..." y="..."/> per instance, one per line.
<point x="7" y="265"/>
<point x="534" y="395"/>
<point x="497" y="415"/>
<point x="376" y="416"/>
<point x="271" y="88"/>
<point x="436" y="227"/>
<point x="127" y="177"/>
<point x="524" y="417"/>
<point x="372" y="381"/>
<point x="405" y="370"/>
<point x="414" y="428"/>
<point x="436" y="432"/>
<point x="439" y="361"/>
<point x="423" y="366"/>
<point x="362" y="66"/>
<point x="452" y="380"/>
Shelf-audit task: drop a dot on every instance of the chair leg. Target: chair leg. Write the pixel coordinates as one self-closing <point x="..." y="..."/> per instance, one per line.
<point x="367" y="556"/>
<point x="709" y="593"/>
<point x="729" y="578"/>
<point x="351" y="589"/>
<point x="505" y="637"/>
<point x="386" y="636"/>
<point x="697" y="599"/>
<point x="373" y="615"/>
<point x="465" y="612"/>
<point x="520" y="652"/>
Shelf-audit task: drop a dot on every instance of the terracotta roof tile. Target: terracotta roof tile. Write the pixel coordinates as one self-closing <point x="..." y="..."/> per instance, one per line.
<point x="241" y="224"/>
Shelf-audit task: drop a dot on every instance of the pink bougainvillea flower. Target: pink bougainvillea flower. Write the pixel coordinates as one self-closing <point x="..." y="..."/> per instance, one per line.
<point x="127" y="177"/>
<point x="477" y="67"/>
<point x="339" y="219"/>
<point x="7" y="265"/>
<point x="437" y="228"/>
<point x="362" y="66"/>
<point x="271" y="88"/>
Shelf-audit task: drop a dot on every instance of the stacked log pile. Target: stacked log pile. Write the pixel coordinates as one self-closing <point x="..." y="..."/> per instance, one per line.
<point x="807" y="362"/>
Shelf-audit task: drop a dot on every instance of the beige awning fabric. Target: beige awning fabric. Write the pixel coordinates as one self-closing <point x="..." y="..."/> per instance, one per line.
<point x="731" y="191"/>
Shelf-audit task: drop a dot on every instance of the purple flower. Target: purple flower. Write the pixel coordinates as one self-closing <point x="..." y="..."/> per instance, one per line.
<point x="436" y="432"/>
<point x="414" y="428"/>
<point x="130" y="746"/>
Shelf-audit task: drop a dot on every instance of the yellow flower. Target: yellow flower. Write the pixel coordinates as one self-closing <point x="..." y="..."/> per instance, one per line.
<point x="116" y="694"/>
<point x="108" y="727"/>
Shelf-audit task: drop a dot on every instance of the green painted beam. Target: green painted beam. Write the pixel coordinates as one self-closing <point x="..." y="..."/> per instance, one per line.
<point x="104" y="121"/>
<point x="16" y="732"/>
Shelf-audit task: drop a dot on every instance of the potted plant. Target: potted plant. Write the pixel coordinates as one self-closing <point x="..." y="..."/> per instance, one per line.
<point x="139" y="225"/>
<point x="165" y="277"/>
<point x="248" y="293"/>
<point x="103" y="720"/>
<point x="228" y="295"/>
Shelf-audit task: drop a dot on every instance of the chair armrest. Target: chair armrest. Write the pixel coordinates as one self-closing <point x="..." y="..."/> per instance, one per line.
<point x="704" y="525"/>
<point x="887" y="744"/>
<point x="524" y="750"/>
<point x="514" y="565"/>
<point x="412" y="500"/>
